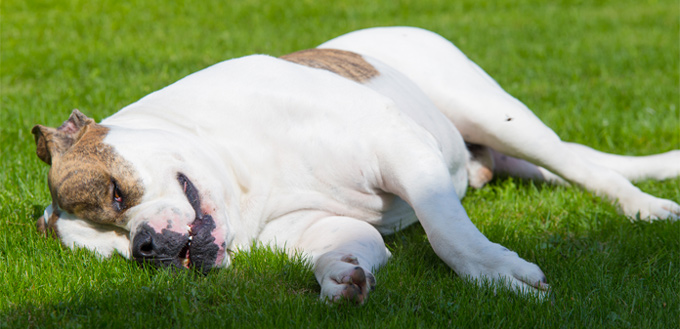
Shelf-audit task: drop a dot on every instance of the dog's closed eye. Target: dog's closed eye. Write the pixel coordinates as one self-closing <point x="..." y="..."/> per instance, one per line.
<point x="117" y="196"/>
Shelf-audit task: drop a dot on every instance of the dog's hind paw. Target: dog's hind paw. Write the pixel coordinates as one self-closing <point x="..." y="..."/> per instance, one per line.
<point x="346" y="280"/>
<point x="651" y="208"/>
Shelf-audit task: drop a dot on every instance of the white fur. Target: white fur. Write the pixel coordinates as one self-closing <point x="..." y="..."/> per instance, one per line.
<point x="103" y="240"/>
<point x="309" y="161"/>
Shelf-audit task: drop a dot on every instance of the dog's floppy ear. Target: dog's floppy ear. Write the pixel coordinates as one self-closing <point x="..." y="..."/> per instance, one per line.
<point x="51" y="143"/>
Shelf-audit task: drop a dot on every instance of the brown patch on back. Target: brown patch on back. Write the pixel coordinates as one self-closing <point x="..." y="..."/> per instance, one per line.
<point x="81" y="179"/>
<point x="344" y="63"/>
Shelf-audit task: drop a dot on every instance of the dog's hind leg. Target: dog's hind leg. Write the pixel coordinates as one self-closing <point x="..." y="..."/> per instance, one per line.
<point x="495" y="119"/>
<point x="485" y="114"/>
<point x="505" y="165"/>
<point x="480" y="165"/>
<point x="635" y="168"/>
<point x="511" y="129"/>
<point x="485" y="162"/>
<point x="344" y="252"/>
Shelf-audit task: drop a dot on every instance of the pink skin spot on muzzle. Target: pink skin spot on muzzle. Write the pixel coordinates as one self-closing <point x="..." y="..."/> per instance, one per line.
<point x="171" y="219"/>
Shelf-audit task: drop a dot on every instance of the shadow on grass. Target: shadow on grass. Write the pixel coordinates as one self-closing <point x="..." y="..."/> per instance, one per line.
<point x="149" y="298"/>
<point x="617" y="274"/>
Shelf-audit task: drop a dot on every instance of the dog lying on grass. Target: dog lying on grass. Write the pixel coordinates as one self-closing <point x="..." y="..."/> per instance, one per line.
<point x="321" y="151"/>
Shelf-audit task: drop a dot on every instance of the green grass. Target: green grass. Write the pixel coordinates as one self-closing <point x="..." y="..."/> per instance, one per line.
<point x="603" y="73"/>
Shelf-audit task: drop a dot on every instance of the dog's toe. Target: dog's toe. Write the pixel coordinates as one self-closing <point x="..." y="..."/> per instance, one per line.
<point x="347" y="282"/>
<point x="651" y="208"/>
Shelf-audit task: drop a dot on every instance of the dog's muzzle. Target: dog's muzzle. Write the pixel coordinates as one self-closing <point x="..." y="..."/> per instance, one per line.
<point x="194" y="250"/>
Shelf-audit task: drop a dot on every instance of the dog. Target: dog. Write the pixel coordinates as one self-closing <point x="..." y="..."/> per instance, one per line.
<point x="323" y="152"/>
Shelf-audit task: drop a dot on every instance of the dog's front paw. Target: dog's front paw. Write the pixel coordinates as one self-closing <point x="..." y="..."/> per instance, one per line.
<point x="650" y="208"/>
<point x="504" y="267"/>
<point x="345" y="279"/>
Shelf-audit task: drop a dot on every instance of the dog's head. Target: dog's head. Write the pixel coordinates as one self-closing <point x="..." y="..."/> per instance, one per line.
<point x="151" y="195"/>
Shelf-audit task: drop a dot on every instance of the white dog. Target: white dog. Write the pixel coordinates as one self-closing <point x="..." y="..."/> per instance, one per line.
<point x="320" y="151"/>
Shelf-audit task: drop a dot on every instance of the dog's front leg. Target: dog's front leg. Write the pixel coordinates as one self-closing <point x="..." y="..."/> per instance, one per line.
<point x="425" y="183"/>
<point x="344" y="252"/>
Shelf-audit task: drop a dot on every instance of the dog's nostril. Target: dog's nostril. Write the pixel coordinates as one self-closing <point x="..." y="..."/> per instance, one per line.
<point x="142" y="245"/>
<point x="146" y="248"/>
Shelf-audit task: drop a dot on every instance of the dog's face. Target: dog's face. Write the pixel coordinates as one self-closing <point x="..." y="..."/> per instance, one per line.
<point x="146" y="194"/>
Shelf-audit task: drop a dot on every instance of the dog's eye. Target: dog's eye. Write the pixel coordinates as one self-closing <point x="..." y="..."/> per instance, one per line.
<point x="117" y="196"/>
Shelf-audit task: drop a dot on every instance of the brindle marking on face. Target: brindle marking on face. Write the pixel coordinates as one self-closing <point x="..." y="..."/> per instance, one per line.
<point x="344" y="63"/>
<point x="82" y="179"/>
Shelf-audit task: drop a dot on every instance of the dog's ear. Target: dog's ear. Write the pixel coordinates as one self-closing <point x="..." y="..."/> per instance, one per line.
<point x="51" y="143"/>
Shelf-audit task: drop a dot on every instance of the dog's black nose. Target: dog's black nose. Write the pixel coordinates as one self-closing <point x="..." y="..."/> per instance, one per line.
<point x="167" y="249"/>
<point x="142" y="245"/>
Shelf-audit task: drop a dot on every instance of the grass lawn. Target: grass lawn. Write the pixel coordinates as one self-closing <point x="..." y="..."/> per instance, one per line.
<point x="603" y="73"/>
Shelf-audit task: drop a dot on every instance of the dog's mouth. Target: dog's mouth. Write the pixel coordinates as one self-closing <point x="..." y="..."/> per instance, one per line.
<point x="196" y="249"/>
<point x="200" y="250"/>
<point x="196" y="227"/>
<point x="197" y="232"/>
<point x="185" y="252"/>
